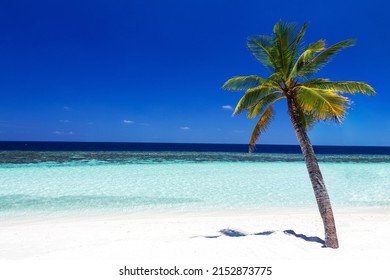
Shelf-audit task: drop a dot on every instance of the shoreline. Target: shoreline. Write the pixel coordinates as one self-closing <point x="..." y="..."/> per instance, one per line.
<point x="286" y="234"/>
<point x="113" y="214"/>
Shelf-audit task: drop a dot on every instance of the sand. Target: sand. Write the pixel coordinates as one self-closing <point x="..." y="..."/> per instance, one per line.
<point x="222" y="236"/>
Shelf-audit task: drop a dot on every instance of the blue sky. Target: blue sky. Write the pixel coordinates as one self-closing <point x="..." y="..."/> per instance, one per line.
<point x="151" y="71"/>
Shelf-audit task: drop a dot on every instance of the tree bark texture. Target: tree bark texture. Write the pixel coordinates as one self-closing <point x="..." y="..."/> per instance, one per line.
<point x="315" y="175"/>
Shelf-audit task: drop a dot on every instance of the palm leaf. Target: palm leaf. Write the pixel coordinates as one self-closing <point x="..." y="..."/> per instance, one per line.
<point x="307" y="120"/>
<point x="259" y="107"/>
<point x="262" y="49"/>
<point x="342" y="86"/>
<point x="250" y="97"/>
<point x="324" y="57"/>
<point x="296" y="43"/>
<point x="242" y="83"/>
<point x="321" y="104"/>
<point x="282" y="33"/>
<point x="306" y="55"/>
<point x="273" y="80"/>
<point x="260" y="127"/>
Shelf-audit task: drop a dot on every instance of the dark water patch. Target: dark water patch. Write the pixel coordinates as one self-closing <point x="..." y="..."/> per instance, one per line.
<point x="183" y="147"/>
<point x="96" y="158"/>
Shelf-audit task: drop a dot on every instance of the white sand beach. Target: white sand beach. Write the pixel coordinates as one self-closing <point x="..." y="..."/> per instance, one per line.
<point x="364" y="234"/>
<point x="96" y="247"/>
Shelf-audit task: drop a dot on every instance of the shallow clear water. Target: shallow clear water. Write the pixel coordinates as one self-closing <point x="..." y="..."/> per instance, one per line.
<point x="124" y="182"/>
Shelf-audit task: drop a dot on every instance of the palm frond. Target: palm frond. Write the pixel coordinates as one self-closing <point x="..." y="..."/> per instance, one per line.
<point x="263" y="50"/>
<point x="250" y="97"/>
<point x="274" y="80"/>
<point x="282" y="34"/>
<point x="322" y="104"/>
<point x="260" y="106"/>
<point x="341" y="86"/>
<point x="305" y="56"/>
<point x="260" y="127"/>
<point x="307" y="120"/>
<point x="297" y="43"/>
<point x="312" y="49"/>
<point x="242" y="83"/>
<point x="317" y="62"/>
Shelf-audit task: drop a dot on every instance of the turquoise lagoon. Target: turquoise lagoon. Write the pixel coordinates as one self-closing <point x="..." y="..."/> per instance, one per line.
<point x="53" y="183"/>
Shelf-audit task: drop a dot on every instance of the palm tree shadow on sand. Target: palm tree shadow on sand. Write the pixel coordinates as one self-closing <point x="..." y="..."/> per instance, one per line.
<point x="237" y="233"/>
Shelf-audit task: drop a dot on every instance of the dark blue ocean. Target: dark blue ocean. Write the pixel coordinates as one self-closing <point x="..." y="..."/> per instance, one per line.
<point x="184" y="147"/>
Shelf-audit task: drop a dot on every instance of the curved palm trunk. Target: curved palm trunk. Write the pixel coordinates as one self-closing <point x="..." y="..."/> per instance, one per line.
<point x="316" y="179"/>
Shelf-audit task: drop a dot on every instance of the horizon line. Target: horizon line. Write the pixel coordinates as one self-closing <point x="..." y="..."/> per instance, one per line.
<point x="180" y="143"/>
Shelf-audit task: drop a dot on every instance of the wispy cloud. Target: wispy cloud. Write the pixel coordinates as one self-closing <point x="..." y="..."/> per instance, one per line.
<point x="227" y="107"/>
<point x="66" y="108"/>
<point x="60" y="132"/>
<point x="65" y="121"/>
<point x="184" y="128"/>
<point x="128" y="122"/>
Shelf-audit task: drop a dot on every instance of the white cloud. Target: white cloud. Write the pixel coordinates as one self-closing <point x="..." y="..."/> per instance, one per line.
<point x="66" y="108"/>
<point x="65" y="121"/>
<point x="60" y="132"/>
<point x="184" y="128"/>
<point x="127" y="122"/>
<point x="227" y="107"/>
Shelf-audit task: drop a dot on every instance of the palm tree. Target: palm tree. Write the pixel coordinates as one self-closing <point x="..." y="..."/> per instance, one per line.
<point x="308" y="99"/>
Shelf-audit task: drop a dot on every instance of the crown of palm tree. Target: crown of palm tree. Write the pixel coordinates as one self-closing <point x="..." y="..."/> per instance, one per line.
<point x="292" y="65"/>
